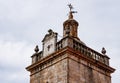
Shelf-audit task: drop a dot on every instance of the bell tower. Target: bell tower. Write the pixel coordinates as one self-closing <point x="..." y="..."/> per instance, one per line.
<point x="70" y="26"/>
<point x="69" y="60"/>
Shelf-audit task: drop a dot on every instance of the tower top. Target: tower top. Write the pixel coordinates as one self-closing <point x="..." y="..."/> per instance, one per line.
<point x="70" y="26"/>
<point x="71" y="12"/>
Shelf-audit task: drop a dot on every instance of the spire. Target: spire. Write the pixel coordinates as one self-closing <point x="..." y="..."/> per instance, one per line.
<point x="70" y="15"/>
<point x="71" y="12"/>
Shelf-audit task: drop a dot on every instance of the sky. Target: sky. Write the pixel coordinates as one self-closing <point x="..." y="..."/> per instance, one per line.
<point x="24" y="23"/>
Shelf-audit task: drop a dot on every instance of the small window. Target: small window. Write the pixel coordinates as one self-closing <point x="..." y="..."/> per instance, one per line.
<point x="48" y="47"/>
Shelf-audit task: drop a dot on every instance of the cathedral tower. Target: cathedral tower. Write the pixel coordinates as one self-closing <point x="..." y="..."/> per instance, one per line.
<point x="69" y="60"/>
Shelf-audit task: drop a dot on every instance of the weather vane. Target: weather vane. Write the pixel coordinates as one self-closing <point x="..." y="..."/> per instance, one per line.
<point x="71" y="12"/>
<point x="71" y="7"/>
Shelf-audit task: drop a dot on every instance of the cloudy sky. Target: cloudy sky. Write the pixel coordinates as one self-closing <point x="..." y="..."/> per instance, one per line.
<point x="23" y="24"/>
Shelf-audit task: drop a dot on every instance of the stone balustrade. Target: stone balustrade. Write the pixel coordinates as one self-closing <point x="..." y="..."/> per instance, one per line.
<point x="77" y="46"/>
<point x="83" y="49"/>
<point x="36" y="57"/>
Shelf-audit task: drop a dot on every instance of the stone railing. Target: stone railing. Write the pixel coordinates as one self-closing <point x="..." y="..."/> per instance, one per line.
<point x="83" y="49"/>
<point x="77" y="46"/>
<point x="36" y="57"/>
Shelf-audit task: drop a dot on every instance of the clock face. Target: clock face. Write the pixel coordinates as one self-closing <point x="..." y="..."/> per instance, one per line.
<point x="49" y="46"/>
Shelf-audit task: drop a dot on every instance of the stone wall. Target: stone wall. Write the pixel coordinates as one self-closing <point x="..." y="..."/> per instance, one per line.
<point x="56" y="73"/>
<point x="81" y="71"/>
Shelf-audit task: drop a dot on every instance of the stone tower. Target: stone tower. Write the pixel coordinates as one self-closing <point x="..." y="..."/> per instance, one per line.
<point x="68" y="60"/>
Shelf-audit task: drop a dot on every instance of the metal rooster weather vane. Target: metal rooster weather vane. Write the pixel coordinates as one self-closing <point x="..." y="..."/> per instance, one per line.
<point x="71" y="7"/>
<point x="71" y="12"/>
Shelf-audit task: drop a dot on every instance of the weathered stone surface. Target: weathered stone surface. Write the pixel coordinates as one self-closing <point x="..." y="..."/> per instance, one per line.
<point x="56" y="73"/>
<point x="83" y="73"/>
